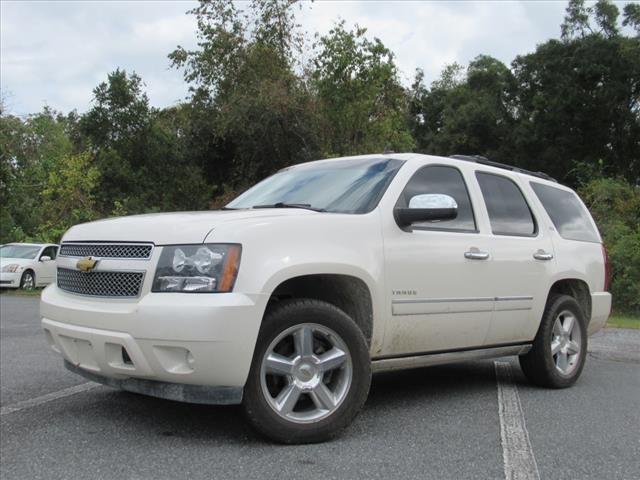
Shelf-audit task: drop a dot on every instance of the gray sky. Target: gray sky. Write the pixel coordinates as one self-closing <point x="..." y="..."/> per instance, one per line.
<point x="55" y="52"/>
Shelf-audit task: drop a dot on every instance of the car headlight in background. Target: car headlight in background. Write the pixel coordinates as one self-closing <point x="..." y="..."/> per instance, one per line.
<point x="12" y="268"/>
<point x="197" y="268"/>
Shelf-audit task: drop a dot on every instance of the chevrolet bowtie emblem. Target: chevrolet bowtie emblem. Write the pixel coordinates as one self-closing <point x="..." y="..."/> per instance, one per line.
<point x="86" y="264"/>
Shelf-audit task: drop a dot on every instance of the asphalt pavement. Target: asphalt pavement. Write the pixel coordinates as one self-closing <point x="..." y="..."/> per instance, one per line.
<point x="440" y="422"/>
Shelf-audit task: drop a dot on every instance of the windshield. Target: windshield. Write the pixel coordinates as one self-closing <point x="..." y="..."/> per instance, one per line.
<point x="19" y="251"/>
<point x="339" y="186"/>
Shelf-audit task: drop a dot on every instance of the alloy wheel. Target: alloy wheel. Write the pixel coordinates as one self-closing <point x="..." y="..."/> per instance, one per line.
<point x="566" y="339"/>
<point x="306" y="373"/>
<point x="28" y="282"/>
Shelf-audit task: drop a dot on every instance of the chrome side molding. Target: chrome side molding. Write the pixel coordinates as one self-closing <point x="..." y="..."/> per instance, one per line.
<point x="430" y="359"/>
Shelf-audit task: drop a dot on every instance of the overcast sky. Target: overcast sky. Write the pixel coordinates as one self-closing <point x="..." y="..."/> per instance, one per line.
<point x="55" y="52"/>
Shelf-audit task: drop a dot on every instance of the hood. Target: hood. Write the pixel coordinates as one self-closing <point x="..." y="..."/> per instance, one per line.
<point x="169" y="228"/>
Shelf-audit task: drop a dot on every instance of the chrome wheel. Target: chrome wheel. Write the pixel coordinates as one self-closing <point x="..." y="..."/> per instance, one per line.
<point x="306" y="373"/>
<point x="28" y="282"/>
<point x="566" y="339"/>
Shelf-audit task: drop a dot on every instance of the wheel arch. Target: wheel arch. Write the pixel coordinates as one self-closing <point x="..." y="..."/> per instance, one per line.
<point x="349" y="293"/>
<point x="576" y="288"/>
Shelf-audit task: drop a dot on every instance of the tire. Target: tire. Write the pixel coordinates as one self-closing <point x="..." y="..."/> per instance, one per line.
<point x="28" y="280"/>
<point x="339" y="364"/>
<point x="559" y="350"/>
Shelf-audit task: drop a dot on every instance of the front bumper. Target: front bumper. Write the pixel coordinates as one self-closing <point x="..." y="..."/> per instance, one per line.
<point x="169" y="391"/>
<point x="10" y="280"/>
<point x="201" y="340"/>
<point x="600" y="310"/>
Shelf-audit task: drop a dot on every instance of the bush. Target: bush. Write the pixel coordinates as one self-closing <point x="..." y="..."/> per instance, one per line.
<point x="615" y="206"/>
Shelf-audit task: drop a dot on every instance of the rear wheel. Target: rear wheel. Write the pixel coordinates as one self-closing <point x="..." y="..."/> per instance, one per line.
<point x="28" y="280"/>
<point x="559" y="350"/>
<point x="310" y="373"/>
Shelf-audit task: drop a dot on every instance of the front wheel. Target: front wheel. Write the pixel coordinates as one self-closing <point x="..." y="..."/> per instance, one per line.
<point x="559" y="350"/>
<point x="310" y="373"/>
<point x="28" y="281"/>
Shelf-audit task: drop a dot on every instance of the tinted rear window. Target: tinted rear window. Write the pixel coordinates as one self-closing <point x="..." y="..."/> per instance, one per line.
<point x="570" y="218"/>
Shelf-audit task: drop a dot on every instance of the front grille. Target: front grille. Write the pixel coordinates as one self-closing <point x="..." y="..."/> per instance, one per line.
<point x="101" y="284"/>
<point x="106" y="250"/>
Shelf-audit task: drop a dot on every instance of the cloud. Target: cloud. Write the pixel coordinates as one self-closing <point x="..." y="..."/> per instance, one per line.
<point x="430" y="35"/>
<point x="55" y="53"/>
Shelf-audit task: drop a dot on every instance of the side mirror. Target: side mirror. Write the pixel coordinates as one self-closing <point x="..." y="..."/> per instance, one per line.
<point x="45" y="258"/>
<point x="427" y="208"/>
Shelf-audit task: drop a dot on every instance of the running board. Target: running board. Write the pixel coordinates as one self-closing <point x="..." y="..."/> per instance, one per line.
<point x="427" y="360"/>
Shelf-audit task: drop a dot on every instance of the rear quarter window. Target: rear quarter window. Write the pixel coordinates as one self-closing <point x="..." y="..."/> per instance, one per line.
<point x="567" y="213"/>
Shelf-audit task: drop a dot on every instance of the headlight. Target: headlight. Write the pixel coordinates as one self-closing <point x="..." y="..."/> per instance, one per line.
<point x="197" y="268"/>
<point x="12" y="268"/>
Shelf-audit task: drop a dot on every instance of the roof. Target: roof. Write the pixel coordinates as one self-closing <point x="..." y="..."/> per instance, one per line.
<point x="420" y="157"/>
<point x="496" y="166"/>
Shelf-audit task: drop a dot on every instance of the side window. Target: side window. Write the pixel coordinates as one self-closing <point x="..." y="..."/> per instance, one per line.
<point x="508" y="211"/>
<point x="50" y="252"/>
<point x="444" y="180"/>
<point x="568" y="215"/>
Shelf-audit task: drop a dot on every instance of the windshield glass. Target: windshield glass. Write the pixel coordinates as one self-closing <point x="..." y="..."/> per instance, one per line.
<point x="19" y="251"/>
<point x="340" y="186"/>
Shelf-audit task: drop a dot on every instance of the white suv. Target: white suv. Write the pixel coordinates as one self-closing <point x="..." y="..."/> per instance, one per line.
<point x="288" y="298"/>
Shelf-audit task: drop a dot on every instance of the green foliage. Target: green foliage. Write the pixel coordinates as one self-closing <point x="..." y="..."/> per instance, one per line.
<point x="632" y="16"/>
<point x="615" y="206"/>
<point x="599" y="19"/>
<point x="68" y="198"/>
<point x="29" y="150"/>
<point x="466" y="113"/>
<point x="579" y="101"/>
<point x="361" y="101"/>
<point x="250" y="112"/>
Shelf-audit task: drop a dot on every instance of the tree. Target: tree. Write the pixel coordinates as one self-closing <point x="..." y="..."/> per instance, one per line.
<point x="68" y="197"/>
<point x="466" y="113"/>
<point x="579" y="18"/>
<point x="242" y="79"/>
<point x="121" y="110"/>
<point x="577" y="102"/>
<point x="632" y="16"/>
<point x="29" y="150"/>
<point x="116" y="127"/>
<point x="361" y="100"/>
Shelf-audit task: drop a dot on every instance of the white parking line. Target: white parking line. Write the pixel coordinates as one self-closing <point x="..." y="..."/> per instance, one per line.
<point x="34" y="402"/>
<point x="519" y="461"/>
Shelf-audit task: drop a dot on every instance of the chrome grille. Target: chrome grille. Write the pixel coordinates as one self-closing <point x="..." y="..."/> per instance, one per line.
<point x="101" y="284"/>
<point x="106" y="250"/>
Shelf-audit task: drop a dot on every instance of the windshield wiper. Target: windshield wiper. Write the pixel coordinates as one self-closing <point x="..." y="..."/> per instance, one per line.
<point x="306" y="206"/>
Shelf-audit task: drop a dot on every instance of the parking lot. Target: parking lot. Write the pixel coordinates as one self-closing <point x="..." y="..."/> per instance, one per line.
<point x="441" y="422"/>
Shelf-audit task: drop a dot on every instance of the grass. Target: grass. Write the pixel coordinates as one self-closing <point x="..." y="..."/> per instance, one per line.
<point x="17" y="292"/>
<point x="622" y="320"/>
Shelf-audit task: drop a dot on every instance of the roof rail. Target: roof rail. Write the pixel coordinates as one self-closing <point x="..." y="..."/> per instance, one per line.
<point x="485" y="161"/>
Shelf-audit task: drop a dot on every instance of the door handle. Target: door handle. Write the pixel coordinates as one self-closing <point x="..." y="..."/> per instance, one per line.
<point x="475" y="254"/>
<point x="542" y="255"/>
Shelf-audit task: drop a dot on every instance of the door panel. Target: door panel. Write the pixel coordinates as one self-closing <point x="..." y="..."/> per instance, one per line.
<point x="522" y="260"/>
<point x="521" y="284"/>
<point x="47" y="269"/>
<point x="439" y="299"/>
